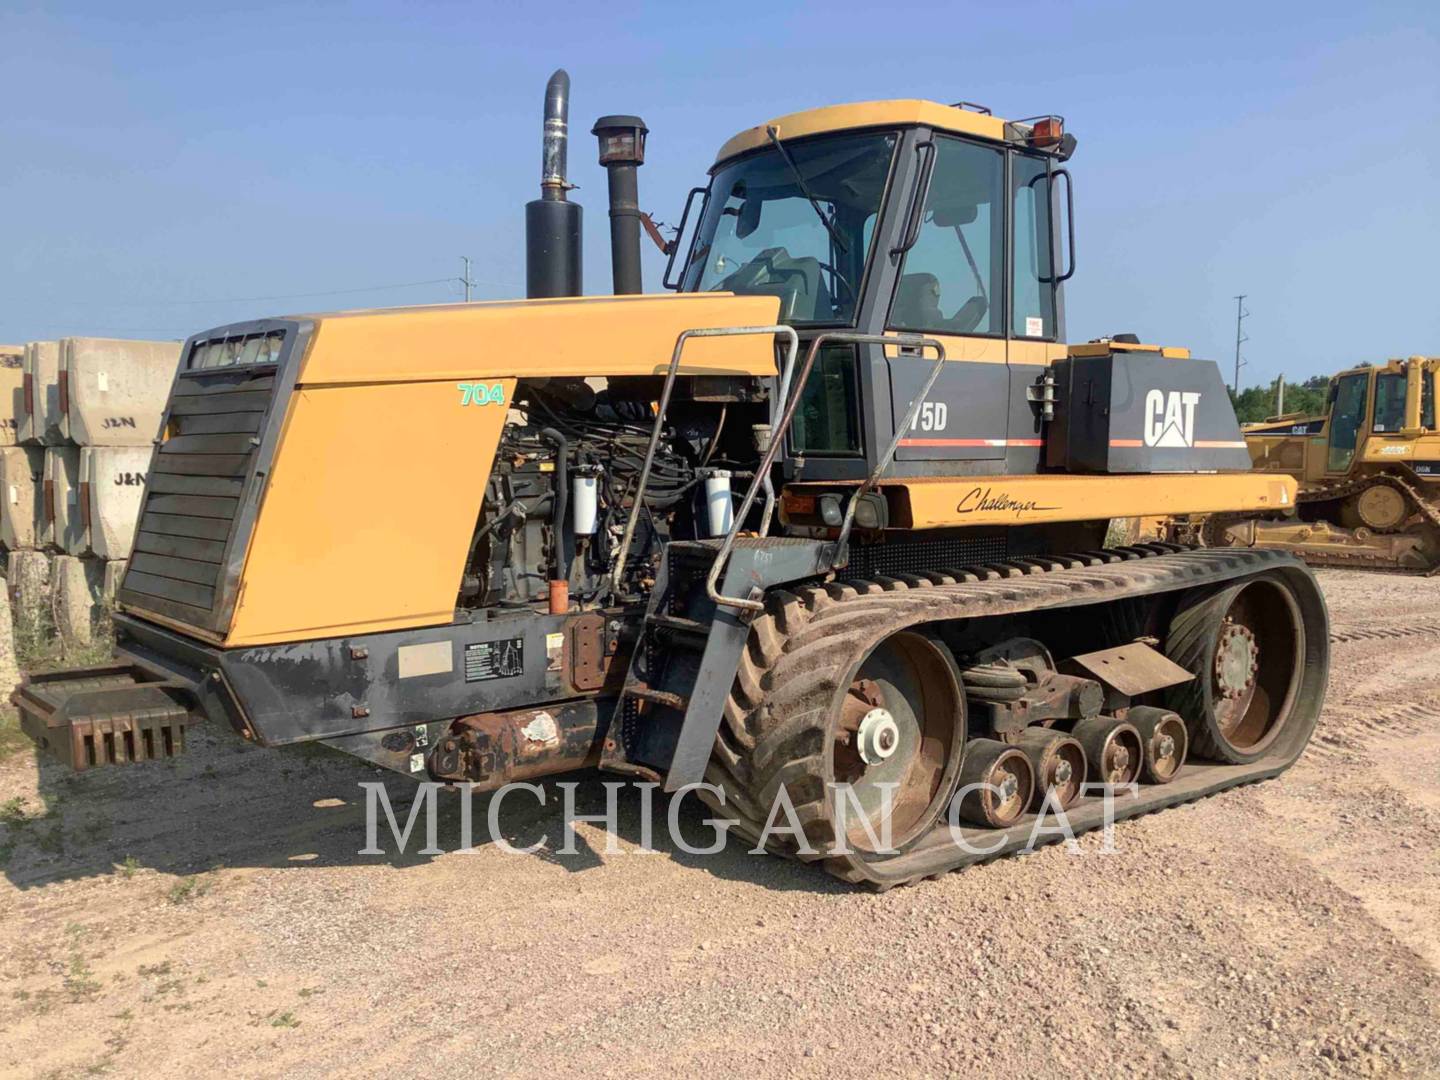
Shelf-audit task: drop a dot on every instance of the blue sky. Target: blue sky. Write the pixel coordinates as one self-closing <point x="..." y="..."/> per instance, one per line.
<point x="168" y="167"/>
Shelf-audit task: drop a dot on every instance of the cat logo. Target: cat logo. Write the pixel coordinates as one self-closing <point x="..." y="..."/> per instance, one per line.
<point x="1170" y="417"/>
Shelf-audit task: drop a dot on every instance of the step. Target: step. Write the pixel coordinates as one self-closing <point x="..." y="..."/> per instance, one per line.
<point x="113" y="391"/>
<point x="659" y="697"/>
<point x="678" y="623"/>
<point x="112" y="482"/>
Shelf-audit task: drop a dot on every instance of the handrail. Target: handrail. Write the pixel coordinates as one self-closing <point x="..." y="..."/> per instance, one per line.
<point x="792" y="346"/>
<point x="777" y="439"/>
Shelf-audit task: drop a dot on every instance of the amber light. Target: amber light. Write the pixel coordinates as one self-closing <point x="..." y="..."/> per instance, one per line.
<point x="1047" y="131"/>
<point x="798" y="505"/>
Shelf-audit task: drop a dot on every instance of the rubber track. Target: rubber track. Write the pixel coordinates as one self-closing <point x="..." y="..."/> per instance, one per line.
<point x="804" y="649"/>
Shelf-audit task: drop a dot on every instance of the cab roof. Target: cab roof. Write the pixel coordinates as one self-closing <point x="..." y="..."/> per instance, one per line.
<point x="906" y="112"/>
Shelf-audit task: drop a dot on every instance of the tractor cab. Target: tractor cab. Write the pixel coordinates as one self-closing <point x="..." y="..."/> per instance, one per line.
<point x="898" y="216"/>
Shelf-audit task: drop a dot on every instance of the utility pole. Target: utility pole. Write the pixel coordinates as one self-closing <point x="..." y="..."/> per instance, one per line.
<point x="1240" y="315"/>
<point x="465" y="278"/>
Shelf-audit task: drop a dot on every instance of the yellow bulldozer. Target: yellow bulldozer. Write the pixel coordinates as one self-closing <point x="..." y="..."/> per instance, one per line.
<point x="1369" y="473"/>
<point x="818" y="535"/>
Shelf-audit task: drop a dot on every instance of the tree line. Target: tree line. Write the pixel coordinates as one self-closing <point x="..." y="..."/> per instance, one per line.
<point x="1256" y="403"/>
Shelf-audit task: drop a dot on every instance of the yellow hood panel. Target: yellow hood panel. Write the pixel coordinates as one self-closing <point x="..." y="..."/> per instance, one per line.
<point x="590" y="335"/>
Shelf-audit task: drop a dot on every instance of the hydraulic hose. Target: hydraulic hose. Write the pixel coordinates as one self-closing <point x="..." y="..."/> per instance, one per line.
<point x="562" y="499"/>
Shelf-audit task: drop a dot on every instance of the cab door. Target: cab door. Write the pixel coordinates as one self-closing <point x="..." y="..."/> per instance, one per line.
<point x="1347" y="420"/>
<point x="951" y="286"/>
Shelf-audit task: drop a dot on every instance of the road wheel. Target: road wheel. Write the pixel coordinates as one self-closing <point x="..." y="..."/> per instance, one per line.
<point x="1244" y="643"/>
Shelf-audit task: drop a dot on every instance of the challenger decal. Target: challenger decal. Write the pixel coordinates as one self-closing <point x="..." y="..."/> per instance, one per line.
<point x="980" y="499"/>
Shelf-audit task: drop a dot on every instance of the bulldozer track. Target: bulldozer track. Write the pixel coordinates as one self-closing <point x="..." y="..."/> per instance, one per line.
<point x="804" y="649"/>
<point x="1335" y="492"/>
<point x="1345" y="633"/>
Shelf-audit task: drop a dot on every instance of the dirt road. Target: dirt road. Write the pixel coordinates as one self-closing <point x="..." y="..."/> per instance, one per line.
<point x="213" y="915"/>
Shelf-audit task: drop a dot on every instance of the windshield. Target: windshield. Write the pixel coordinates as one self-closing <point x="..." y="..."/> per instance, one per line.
<point x="761" y="234"/>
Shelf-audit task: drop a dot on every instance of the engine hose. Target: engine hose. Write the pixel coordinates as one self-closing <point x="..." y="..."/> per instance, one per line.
<point x="562" y="500"/>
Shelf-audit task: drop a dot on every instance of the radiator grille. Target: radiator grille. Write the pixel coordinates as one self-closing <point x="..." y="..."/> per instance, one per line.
<point x="908" y="556"/>
<point x="196" y="488"/>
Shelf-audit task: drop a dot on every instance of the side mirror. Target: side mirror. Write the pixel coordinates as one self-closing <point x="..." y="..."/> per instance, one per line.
<point x="748" y="219"/>
<point x="680" y="235"/>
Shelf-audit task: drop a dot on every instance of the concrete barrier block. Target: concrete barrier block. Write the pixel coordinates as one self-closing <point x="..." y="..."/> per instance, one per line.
<point x="74" y="596"/>
<point x="62" y="499"/>
<point x="110" y="585"/>
<point x="114" y="391"/>
<point x="27" y="576"/>
<point x="9" y="665"/>
<point x="12" y="393"/>
<point x="22" y="506"/>
<point x="112" y="482"/>
<point x="40" y="368"/>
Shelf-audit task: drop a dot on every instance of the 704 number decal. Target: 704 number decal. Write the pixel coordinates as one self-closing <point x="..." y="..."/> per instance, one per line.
<point x="481" y="393"/>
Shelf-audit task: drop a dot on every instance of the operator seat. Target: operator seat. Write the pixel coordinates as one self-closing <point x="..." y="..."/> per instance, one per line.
<point x="917" y="307"/>
<point x="917" y="303"/>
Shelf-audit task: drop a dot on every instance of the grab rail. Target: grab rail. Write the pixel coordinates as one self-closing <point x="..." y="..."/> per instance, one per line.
<point x="777" y="438"/>
<point x="792" y="346"/>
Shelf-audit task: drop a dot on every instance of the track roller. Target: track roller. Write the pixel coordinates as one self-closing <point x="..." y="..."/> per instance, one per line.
<point x="1010" y="779"/>
<point x="1113" y="747"/>
<point x="1058" y="761"/>
<point x="1166" y="742"/>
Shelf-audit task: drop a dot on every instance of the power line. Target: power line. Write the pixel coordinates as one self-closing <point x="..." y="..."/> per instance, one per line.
<point x="284" y="296"/>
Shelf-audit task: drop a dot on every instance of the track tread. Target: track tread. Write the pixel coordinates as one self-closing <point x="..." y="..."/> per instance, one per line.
<point x="804" y="646"/>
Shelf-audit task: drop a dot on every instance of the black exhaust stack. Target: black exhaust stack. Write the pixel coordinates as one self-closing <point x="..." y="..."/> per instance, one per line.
<point x="552" y="225"/>
<point x="622" y="151"/>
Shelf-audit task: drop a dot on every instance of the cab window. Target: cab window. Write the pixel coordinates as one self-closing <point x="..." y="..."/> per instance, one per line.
<point x="1346" y="415"/>
<point x="1389" y="403"/>
<point x="951" y="281"/>
<point x="1032" y="275"/>
<point x="827" y="421"/>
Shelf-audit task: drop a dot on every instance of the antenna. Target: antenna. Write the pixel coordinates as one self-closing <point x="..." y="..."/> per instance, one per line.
<point x="1241" y="314"/>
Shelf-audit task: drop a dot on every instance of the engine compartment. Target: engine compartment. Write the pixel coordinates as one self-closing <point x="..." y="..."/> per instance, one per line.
<point x="566" y="476"/>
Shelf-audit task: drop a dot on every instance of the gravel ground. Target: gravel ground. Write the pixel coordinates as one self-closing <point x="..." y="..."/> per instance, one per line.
<point x="212" y="914"/>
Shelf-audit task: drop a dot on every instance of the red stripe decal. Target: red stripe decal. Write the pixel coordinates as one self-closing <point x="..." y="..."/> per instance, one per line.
<point x="970" y="442"/>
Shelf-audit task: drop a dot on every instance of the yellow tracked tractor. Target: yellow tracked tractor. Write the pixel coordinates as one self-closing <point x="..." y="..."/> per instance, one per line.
<point x="823" y="531"/>
<point x="1369" y="473"/>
